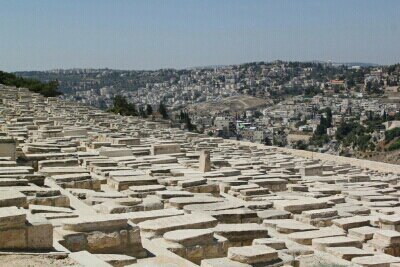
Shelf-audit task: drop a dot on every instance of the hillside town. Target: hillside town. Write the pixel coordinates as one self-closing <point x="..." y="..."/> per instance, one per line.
<point x="278" y="103"/>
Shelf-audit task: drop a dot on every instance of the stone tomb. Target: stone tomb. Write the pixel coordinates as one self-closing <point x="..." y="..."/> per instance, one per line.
<point x="160" y="149"/>
<point x="386" y="241"/>
<point x="8" y="147"/>
<point x="25" y="233"/>
<point x="194" y="244"/>
<point x="101" y="234"/>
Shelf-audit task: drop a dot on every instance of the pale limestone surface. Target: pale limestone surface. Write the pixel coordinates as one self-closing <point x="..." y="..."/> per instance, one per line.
<point x="126" y="189"/>
<point x="252" y="254"/>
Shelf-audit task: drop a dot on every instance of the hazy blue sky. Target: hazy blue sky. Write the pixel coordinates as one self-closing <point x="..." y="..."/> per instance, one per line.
<point x="151" y="34"/>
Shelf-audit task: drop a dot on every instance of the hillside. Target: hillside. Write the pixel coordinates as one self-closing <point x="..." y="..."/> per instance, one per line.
<point x="232" y="105"/>
<point x="47" y="89"/>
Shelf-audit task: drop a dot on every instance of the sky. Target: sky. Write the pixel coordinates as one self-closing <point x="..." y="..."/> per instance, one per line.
<point x="154" y="34"/>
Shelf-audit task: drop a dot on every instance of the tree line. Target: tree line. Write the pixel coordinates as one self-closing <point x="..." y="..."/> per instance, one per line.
<point x="47" y="89"/>
<point x="123" y="107"/>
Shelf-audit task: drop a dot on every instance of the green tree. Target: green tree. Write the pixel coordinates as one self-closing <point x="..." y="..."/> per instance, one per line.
<point x="328" y="117"/>
<point x="163" y="110"/>
<point x="48" y="89"/>
<point x="301" y="145"/>
<point x="149" y="109"/>
<point x="321" y="128"/>
<point x="190" y="126"/>
<point x="123" y="107"/>
<point x="142" y="112"/>
<point x="267" y="141"/>
<point x="392" y="134"/>
<point x="185" y="118"/>
<point x="384" y="116"/>
<point x="257" y="114"/>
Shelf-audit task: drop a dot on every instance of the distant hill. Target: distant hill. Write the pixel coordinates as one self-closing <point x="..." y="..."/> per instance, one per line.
<point x="348" y="64"/>
<point x="361" y="64"/>
<point x="46" y="89"/>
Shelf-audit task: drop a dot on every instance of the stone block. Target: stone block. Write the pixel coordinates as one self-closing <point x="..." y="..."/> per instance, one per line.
<point x="337" y="241"/>
<point x="94" y="223"/>
<point x="8" y="147"/>
<point x="351" y="222"/>
<point x="252" y="254"/>
<point x="204" y="161"/>
<point x="348" y="253"/>
<point x="12" y="198"/>
<point x="161" y="149"/>
<point x="12" y="217"/>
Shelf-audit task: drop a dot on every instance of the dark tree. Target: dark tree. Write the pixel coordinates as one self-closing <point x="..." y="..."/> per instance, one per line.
<point x="123" y="107"/>
<point x="163" y="110"/>
<point x="149" y="109"/>
<point x="267" y="141"/>
<point x="328" y="117"/>
<point x="46" y="89"/>
<point x="142" y="112"/>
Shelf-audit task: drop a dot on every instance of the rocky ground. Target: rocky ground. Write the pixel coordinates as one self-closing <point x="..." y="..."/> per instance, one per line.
<point x="232" y="105"/>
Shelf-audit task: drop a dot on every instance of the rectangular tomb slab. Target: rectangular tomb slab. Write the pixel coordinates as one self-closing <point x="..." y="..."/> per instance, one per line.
<point x="320" y="213"/>
<point x="115" y="152"/>
<point x="274" y="243"/>
<point x="160" y="149"/>
<point x="274" y="214"/>
<point x="337" y="241"/>
<point x="181" y="202"/>
<point x="124" y="182"/>
<point x="190" y="237"/>
<point x="240" y="215"/>
<point x="381" y="260"/>
<point x="167" y="194"/>
<point x="306" y="238"/>
<point x="8" y="147"/>
<point x="288" y="226"/>
<point x="35" y="234"/>
<point x="192" y="182"/>
<point x="252" y="254"/>
<point x="241" y="231"/>
<point x="12" y="217"/>
<point x="160" y="226"/>
<point x="387" y="238"/>
<point x="351" y="222"/>
<point x="12" y="198"/>
<point x="298" y="206"/>
<point x="94" y="223"/>
<point x="348" y="253"/>
<point x="390" y="222"/>
<point x="51" y="171"/>
<point x="363" y="233"/>
<point x="113" y="240"/>
<point x="311" y="170"/>
<point x="141" y="216"/>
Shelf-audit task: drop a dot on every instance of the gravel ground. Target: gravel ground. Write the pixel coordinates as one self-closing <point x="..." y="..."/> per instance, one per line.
<point x="33" y="261"/>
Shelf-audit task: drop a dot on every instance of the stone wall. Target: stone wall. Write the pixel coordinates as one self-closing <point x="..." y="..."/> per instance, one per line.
<point x="361" y="163"/>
